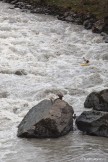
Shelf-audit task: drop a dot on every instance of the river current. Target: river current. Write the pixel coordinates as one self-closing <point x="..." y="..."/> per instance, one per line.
<point x="49" y="53"/>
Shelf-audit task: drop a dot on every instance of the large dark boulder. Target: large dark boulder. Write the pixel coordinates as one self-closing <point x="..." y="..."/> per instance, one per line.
<point x="93" y="123"/>
<point x="97" y="100"/>
<point x="47" y="119"/>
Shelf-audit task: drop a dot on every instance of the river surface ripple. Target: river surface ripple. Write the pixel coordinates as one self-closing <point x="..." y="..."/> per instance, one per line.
<point x="50" y="52"/>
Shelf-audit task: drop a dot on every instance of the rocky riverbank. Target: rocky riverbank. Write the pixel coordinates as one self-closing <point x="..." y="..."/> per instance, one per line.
<point x="40" y="56"/>
<point x="72" y="12"/>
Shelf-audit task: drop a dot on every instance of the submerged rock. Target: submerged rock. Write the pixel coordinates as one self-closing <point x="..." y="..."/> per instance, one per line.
<point x="93" y="123"/>
<point x="47" y="119"/>
<point x="97" y="100"/>
<point x="20" y="72"/>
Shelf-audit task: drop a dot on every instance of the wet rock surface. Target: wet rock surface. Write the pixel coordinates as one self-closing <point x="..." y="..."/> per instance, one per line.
<point x="47" y="119"/>
<point x="97" y="100"/>
<point x="93" y="123"/>
<point x="101" y="26"/>
<point x="89" y="23"/>
<point x="98" y="26"/>
<point x="20" y="72"/>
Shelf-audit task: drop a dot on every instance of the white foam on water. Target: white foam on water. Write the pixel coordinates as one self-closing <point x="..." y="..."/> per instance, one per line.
<point x="49" y="53"/>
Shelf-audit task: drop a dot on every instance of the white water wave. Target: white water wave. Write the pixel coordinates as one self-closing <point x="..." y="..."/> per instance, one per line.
<point x="40" y="56"/>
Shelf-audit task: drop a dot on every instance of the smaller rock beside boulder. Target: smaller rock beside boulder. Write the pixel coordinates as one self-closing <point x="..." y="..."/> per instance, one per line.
<point x="48" y="119"/>
<point x="93" y="123"/>
<point x="97" y="100"/>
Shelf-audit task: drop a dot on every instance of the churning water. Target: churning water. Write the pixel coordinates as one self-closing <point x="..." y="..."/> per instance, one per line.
<point x="49" y="53"/>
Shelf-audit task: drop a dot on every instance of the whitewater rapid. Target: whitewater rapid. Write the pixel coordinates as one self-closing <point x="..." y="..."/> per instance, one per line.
<point x="49" y="53"/>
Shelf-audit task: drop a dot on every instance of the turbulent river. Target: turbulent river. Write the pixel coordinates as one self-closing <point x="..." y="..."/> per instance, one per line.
<point x="50" y="53"/>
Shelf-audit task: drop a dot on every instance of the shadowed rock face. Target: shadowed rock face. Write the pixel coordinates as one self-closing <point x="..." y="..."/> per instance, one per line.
<point x="98" y="26"/>
<point x="93" y="123"/>
<point x="97" y="100"/>
<point x="47" y="119"/>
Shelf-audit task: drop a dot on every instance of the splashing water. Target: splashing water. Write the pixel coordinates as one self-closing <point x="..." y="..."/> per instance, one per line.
<point x="39" y="56"/>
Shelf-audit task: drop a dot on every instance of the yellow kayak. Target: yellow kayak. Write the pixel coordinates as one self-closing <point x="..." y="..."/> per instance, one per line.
<point x="85" y="64"/>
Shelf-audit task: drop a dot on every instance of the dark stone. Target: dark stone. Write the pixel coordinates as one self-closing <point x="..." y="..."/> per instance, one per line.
<point x="61" y="17"/>
<point x="79" y="21"/>
<point x="14" y="2"/>
<point x="69" y="18"/>
<point x="105" y="37"/>
<point x="20" y="5"/>
<point x="97" y="100"/>
<point x="8" y="1"/>
<point x="47" y="119"/>
<point x="75" y="15"/>
<point x="106" y="20"/>
<point x="89" y="16"/>
<point x="29" y="7"/>
<point x="98" y="26"/>
<point x="105" y="29"/>
<point x="93" y="123"/>
<point x="20" y="72"/>
<point x="89" y="23"/>
<point x="72" y="17"/>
